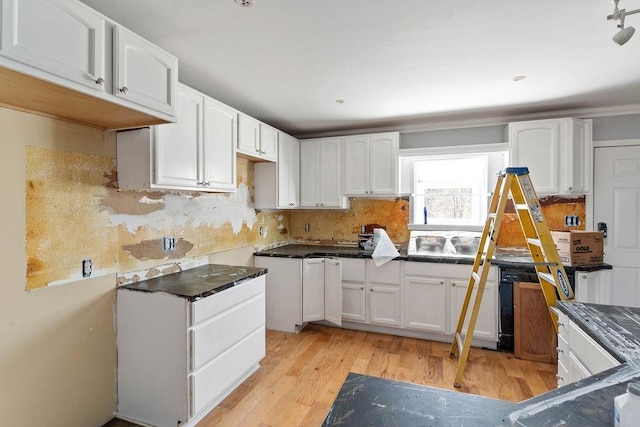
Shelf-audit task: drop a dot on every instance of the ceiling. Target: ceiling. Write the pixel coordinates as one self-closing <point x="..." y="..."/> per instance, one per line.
<point x="396" y="64"/>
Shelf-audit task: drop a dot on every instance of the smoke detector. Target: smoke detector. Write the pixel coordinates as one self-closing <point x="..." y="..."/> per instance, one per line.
<point x="245" y="3"/>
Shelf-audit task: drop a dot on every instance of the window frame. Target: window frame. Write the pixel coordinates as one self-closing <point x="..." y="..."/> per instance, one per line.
<point x="407" y="179"/>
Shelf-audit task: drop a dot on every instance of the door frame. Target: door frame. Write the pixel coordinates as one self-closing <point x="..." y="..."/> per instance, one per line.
<point x="589" y="209"/>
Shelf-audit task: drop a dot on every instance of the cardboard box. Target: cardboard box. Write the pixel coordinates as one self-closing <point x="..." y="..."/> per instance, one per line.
<point x="579" y="247"/>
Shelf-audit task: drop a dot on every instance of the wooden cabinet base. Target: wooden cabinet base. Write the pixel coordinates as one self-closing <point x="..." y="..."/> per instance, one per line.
<point x="535" y="337"/>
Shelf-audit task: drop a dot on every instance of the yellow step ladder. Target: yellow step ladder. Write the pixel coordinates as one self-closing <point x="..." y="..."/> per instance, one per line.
<point x="551" y="274"/>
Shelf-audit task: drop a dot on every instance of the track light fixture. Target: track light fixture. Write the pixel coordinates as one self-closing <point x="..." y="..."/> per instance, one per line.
<point x="622" y="36"/>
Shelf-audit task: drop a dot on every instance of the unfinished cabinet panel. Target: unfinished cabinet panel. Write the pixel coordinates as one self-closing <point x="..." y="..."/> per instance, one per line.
<point x="534" y="334"/>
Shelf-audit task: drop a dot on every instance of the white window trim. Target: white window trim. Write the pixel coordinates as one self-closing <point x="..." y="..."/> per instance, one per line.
<point x="431" y="152"/>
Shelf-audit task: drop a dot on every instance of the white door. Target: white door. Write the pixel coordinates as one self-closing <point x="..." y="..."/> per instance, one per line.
<point x="425" y="306"/>
<point x="268" y="142"/>
<point x="145" y="74"/>
<point x="333" y="291"/>
<point x="176" y="145"/>
<point x="312" y="290"/>
<point x="487" y="321"/>
<point x="219" y="149"/>
<point x="616" y="201"/>
<point x="64" y="38"/>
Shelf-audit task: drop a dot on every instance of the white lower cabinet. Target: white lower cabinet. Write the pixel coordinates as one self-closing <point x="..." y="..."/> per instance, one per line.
<point x="301" y="291"/>
<point x="178" y="359"/>
<point x="371" y="294"/>
<point x="434" y="295"/>
<point x="579" y="356"/>
<point x="593" y="286"/>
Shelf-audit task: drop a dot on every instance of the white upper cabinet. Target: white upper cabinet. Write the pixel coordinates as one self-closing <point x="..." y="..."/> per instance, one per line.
<point x="195" y="153"/>
<point x="177" y="145"/>
<point x="557" y="153"/>
<point x="63" y="59"/>
<point x="320" y="173"/>
<point x="218" y="148"/>
<point x="257" y="140"/>
<point x="277" y="185"/>
<point x="371" y="164"/>
<point x="64" y="38"/>
<point x="144" y="73"/>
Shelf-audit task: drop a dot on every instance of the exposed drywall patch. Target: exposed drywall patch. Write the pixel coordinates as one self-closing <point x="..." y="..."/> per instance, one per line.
<point x="152" y="249"/>
<point x="160" y="270"/>
<point x="133" y="202"/>
<point x="187" y="211"/>
<point x="64" y="221"/>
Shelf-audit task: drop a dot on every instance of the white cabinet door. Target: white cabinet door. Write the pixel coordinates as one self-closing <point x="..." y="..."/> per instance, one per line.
<point x="219" y="150"/>
<point x="577" y="370"/>
<point x="312" y="289"/>
<point x="383" y="159"/>
<point x="321" y="173"/>
<point x="384" y="293"/>
<point x="176" y="145"/>
<point x="144" y="73"/>
<point x="330" y="174"/>
<point x="333" y="291"/>
<point x="353" y="289"/>
<point x="288" y="168"/>
<point x="425" y="307"/>
<point x="248" y="135"/>
<point x="536" y="145"/>
<point x="356" y="165"/>
<point x="593" y="286"/>
<point x="268" y="142"/>
<point x="64" y="38"/>
<point x="487" y="321"/>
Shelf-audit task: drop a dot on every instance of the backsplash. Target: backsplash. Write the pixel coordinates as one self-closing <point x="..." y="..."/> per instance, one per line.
<point x="74" y="211"/>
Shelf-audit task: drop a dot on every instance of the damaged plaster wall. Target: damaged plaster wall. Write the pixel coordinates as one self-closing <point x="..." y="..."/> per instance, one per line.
<point x="74" y="211"/>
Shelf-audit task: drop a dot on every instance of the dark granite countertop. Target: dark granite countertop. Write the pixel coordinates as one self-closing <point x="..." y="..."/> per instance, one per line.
<point x="198" y="282"/>
<point x="525" y="262"/>
<point x="378" y="402"/>
<point x="352" y="251"/>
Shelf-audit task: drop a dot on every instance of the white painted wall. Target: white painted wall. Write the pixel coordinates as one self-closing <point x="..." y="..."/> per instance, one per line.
<point x="57" y="345"/>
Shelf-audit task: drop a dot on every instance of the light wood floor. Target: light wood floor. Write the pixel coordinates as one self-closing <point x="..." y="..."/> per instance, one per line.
<point x="302" y="374"/>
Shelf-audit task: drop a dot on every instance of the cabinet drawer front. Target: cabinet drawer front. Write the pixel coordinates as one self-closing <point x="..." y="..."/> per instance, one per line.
<point x="212" y="338"/>
<point x="217" y="303"/>
<point x="563" y="325"/>
<point x="215" y="378"/>
<point x="594" y="358"/>
<point x="563" y="350"/>
<point x="353" y="270"/>
<point x="563" y="373"/>
<point x="388" y="273"/>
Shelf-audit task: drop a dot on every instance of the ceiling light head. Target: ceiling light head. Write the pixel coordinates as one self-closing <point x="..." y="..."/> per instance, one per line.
<point x="245" y="3"/>
<point x="340" y="101"/>
<point x="623" y="36"/>
<point x="519" y="78"/>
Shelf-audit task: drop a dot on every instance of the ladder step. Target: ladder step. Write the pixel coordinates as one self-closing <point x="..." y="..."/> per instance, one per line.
<point x="534" y="242"/>
<point x="460" y="343"/>
<point x="547" y="277"/>
<point x="522" y="207"/>
<point x="475" y="276"/>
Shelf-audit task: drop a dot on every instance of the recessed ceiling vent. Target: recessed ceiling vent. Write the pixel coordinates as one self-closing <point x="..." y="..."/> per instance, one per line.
<point x="245" y="3"/>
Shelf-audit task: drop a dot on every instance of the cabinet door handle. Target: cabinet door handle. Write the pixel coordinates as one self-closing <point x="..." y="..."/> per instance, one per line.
<point x="100" y="81"/>
<point x="124" y="90"/>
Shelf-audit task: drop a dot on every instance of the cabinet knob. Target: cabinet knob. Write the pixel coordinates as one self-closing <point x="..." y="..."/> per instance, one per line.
<point x="558" y="377"/>
<point x="257" y="150"/>
<point x="584" y="276"/>
<point x="124" y="90"/>
<point x="362" y="288"/>
<point x="559" y="350"/>
<point x="570" y="188"/>
<point x="263" y="152"/>
<point x="100" y="81"/>
<point x="560" y="324"/>
<point x="317" y="204"/>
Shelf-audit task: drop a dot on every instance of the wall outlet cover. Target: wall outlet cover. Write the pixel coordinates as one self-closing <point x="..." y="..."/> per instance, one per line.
<point x="87" y="267"/>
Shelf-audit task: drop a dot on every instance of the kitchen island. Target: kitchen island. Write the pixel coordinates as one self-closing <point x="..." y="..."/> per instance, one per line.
<point x="365" y="400"/>
<point x="186" y="340"/>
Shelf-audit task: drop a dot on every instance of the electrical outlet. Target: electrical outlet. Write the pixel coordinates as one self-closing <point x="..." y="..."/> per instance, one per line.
<point x="87" y="267"/>
<point x="261" y="231"/>
<point x="168" y="244"/>
<point x="571" y="220"/>
<point x="307" y="227"/>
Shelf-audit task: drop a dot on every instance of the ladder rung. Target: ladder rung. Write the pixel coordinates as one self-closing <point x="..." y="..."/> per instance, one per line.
<point x="460" y="343"/>
<point x="535" y="242"/>
<point x="522" y="207"/>
<point x="492" y="215"/>
<point x="475" y="277"/>
<point x="547" y="278"/>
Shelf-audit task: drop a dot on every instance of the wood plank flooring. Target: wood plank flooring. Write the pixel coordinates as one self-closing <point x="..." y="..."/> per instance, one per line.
<point x="302" y="374"/>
